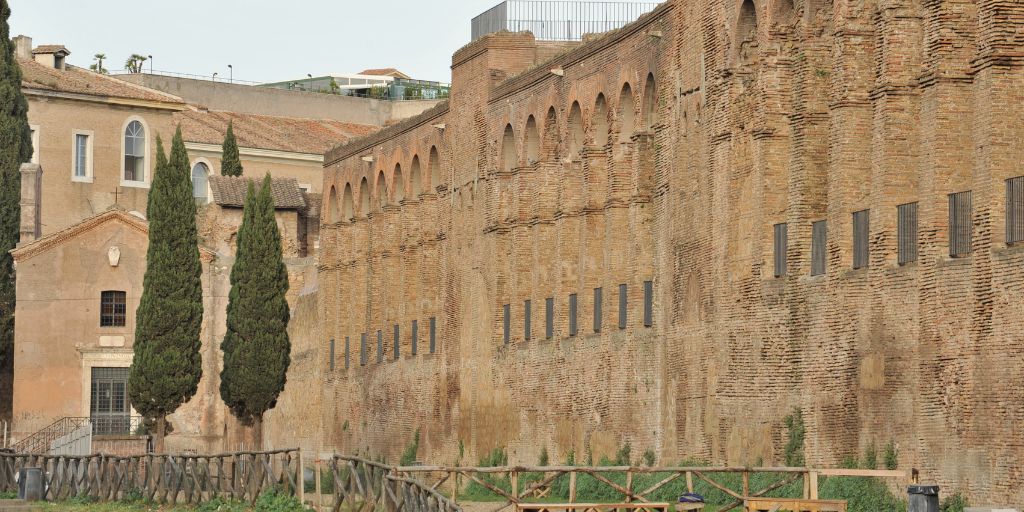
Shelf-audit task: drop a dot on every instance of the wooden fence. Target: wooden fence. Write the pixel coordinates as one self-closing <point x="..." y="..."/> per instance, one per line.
<point x="188" y="479"/>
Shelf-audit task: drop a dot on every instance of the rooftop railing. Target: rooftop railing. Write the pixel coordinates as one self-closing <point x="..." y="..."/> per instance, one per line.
<point x="558" y="20"/>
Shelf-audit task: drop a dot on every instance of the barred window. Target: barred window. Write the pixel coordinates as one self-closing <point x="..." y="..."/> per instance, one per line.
<point x="346" y="352"/>
<point x="623" y="302"/>
<point x="506" y="323"/>
<point x="960" y="224"/>
<point x="597" y="309"/>
<point x="549" y="317"/>
<point x="331" y="363"/>
<point x="433" y="334"/>
<point x="415" y="337"/>
<point x="648" y="303"/>
<point x="572" y="315"/>
<point x="781" y="246"/>
<point x="1015" y="210"/>
<point x="906" y="227"/>
<point x="861" y="234"/>
<point x="362" y="350"/>
<point x="113" y="307"/>
<point x="819" y="238"/>
<point x="380" y="346"/>
<point x="527" y="313"/>
<point x="397" y="343"/>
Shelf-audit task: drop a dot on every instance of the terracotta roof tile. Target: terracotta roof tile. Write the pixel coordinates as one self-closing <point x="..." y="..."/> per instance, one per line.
<point x="80" y="81"/>
<point x="230" y="191"/>
<point x="311" y="136"/>
<point x="384" y="72"/>
<point x="50" y="48"/>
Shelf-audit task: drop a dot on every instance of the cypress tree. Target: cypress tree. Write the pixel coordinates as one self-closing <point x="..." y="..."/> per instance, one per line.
<point x="230" y="163"/>
<point x="256" y="348"/>
<point x="15" y="149"/>
<point x="167" y="366"/>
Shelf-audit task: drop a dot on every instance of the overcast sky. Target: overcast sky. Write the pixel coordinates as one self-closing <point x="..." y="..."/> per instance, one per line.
<point x="264" y="40"/>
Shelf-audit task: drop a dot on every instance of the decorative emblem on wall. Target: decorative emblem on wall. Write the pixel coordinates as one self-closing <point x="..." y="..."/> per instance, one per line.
<point x="114" y="255"/>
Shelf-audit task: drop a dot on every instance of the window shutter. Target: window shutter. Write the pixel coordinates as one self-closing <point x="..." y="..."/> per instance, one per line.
<point x="433" y="334"/>
<point x="960" y="224"/>
<point x="506" y="323"/>
<point x="398" y="343"/>
<point x="907" y="233"/>
<point x="380" y="346"/>
<point x="623" y="302"/>
<point x="549" y="318"/>
<point x="526" y="319"/>
<point x="819" y="237"/>
<point x="415" y="337"/>
<point x="781" y="247"/>
<point x="861" y="234"/>
<point x="648" y="303"/>
<point x="572" y="314"/>
<point x="362" y="350"/>
<point x="1015" y="210"/>
<point x="331" y="364"/>
<point x="346" y="353"/>
<point x="597" y="309"/>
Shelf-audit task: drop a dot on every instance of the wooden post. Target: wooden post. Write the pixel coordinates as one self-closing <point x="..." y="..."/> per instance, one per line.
<point x="746" y="484"/>
<point x="455" y="489"/>
<point x="689" y="481"/>
<point x="300" y="481"/>
<point x="807" y="486"/>
<point x="629" y="486"/>
<point x="515" y="484"/>
<point x="814" y="485"/>
<point x="319" y="491"/>
<point x="572" y="487"/>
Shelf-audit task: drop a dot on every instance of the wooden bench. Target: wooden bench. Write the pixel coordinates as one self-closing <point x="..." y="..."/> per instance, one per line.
<point x="793" y="505"/>
<point x="593" y="507"/>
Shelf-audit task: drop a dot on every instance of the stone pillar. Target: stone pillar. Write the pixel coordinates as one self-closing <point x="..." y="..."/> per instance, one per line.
<point x="31" y="202"/>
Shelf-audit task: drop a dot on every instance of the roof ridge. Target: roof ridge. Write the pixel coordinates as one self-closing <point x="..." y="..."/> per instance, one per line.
<point x="176" y="99"/>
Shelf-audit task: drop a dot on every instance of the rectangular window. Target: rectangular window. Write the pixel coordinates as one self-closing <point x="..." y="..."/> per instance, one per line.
<point x="819" y="237"/>
<point x="861" y="233"/>
<point x="346" y="352"/>
<point x="113" y="307"/>
<point x="398" y="343"/>
<point x="331" y="363"/>
<point x="906" y="233"/>
<point x="415" y="337"/>
<point x="961" y="224"/>
<point x="506" y="323"/>
<point x="622" y="306"/>
<point x="433" y="334"/>
<point x="108" y="401"/>
<point x="527" y="313"/>
<point x="380" y="346"/>
<point x="572" y="314"/>
<point x="362" y="350"/>
<point x="1015" y="210"/>
<point x="648" y="303"/>
<point x="781" y="246"/>
<point x="597" y="309"/>
<point x="549" y="317"/>
<point x="83" y="156"/>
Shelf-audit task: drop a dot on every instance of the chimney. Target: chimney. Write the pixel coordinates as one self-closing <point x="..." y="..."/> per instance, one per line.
<point x="31" y="192"/>
<point x="23" y="47"/>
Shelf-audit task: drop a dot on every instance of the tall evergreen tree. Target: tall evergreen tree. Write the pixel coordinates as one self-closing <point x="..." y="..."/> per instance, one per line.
<point x="230" y="163"/>
<point x="168" y="365"/>
<point x="15" y="149"/>
<point x="257" y="351"/>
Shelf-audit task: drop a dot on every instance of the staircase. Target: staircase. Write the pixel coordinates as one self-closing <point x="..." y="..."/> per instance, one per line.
<point x="39" y="442"/>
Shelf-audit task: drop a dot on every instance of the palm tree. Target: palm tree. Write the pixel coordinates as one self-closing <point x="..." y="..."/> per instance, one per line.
<point x="134" y="63"/>
<point x="98" y="66"/>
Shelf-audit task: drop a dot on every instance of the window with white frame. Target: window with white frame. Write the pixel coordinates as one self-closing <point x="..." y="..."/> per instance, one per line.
<point x="81" y="166"/>
<point x="200" y="182"/>
<point x="135" y="152"/>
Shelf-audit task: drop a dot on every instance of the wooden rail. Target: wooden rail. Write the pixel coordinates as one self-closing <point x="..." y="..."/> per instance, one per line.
<point x="188" y="479"/>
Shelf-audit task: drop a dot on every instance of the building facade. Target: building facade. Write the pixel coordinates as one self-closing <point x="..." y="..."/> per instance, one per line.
<point x="681" y="232"/>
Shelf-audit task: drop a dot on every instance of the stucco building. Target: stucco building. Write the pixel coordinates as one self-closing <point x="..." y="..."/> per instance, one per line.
<point x="677" y="234"/>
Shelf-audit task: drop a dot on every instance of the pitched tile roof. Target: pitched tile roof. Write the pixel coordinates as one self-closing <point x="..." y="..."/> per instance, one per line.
<point x="230" y="191"/>
<point x="312" y="136"/>
<point x="81" y="81"/>
<point x="50" y="48"/>
<point x="384" y="72"/>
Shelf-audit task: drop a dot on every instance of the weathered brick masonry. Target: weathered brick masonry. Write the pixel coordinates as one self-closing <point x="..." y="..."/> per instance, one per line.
<point x="666" y="152"/>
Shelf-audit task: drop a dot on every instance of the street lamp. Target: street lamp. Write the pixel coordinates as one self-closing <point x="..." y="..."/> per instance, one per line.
<point x="310" y="81"/>
<point x="214" y="76"/>
<point x="150" y="64"/>
<point x="231" y="69"/>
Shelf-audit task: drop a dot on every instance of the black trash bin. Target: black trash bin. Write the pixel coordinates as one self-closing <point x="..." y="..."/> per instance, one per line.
<point x="923" y="498"/>
<point x="30" y="484"/>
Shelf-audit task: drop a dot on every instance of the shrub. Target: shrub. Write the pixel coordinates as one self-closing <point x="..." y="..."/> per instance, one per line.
<point x="649" y="458"/>
<point x="273" y="501"/>
<point x="871" y="456"/>
<point x="954" y="503"/>
<point x="795" y="446"/>
<point x="409" y="455"/>
<point x="891" y="456"/>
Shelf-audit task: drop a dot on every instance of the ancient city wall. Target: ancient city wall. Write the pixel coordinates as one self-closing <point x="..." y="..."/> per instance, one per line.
<point x="667" y="153"/>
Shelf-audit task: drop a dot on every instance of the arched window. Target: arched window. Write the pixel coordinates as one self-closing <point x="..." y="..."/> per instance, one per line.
<point x="416" y="178"/>
<point x="435" y="168"/>
<point x="509" y="157"/>
<point x="650" y="103"/>
<point x="332" y="206"/>
<point x="382" y="190"/>
<point x="576" y="134"/>
<point x="398" y="184"/>
<point x="627" y="114"/>
<point x="347" y="206"/>
<point x="364" y="197"/>
<point x="135" y="152"/>
<point x="746" y="31"/>
<point x="532" y="141"/>
<point x="200" y="182"/>
<point x="600" y="122"/>
<point x="550" y="148"/>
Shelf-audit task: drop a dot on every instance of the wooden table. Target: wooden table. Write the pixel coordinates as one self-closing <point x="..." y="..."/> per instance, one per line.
<point x="592" y="507"/>
<point x="793" y="505"/>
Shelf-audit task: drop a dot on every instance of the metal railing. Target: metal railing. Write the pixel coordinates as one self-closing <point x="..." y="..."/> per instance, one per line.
<point x="558" y="20"/>
<point x="209" y="78"/>
<point x="102" y="425"/>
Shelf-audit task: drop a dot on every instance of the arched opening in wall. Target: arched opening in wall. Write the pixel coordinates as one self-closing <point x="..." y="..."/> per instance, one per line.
<point x="398" y="185"/>
<point x="509" y="157"/>
<point x="416" y="178"/>
<point x="783" y="12"/>
<point x="550" y="148"/>
<point x="435" y="168"/>
<point x="627" y="114"/>
<point x="382" y="190"/>
<point x="576" y="133"/>
<point x="532" y="141"/>
<point x="364" y="197"/>
<point x="746" y="32"/>
<point x="600" y="122"/>
<point x="332" y="206"/>
<point x="347" y="205"/>
<point x="650" y="103"/>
